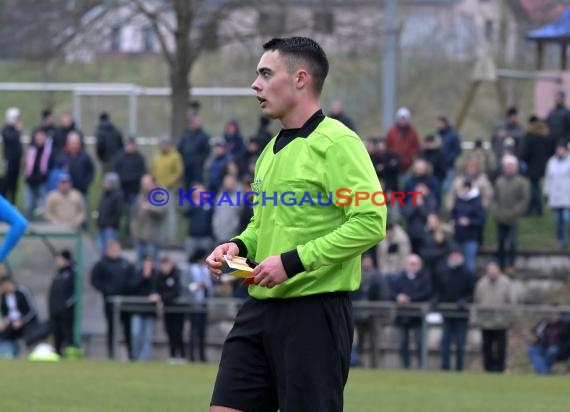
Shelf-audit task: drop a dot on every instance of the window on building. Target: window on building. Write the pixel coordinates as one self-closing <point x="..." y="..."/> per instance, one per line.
<point x="148" y="38"/>
<point x="323" y="21"/>
<point x="489" y="31"/>
<point x="271" y="23"/>
<point x="116" y="38"/>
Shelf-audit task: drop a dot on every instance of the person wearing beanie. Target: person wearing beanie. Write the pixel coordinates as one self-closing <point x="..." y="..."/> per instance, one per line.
<point x="559" y="119"/>
<point x="109" y="211"/>
<point x="403" y="139"/>
<point x="61" y="301"/>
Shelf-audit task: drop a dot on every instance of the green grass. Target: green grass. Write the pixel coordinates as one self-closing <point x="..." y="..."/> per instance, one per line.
<point x="84" y="386"/>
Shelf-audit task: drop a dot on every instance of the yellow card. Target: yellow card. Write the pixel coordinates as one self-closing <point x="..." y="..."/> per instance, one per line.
<point x="239" y="267"/>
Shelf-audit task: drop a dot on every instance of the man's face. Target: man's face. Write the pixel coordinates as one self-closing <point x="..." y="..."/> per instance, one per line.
<point x="510" y="169"/>
<point x="7" y="287"/>
<point x="512" y="119"/>
<point x="130" y="147"/>
<point x="73" y="144"/>
<point x="561" y="151"/>
<point x="66" y="120"/>
<point x="403" y="121"/>
<point x="274" y="85"/>
<point x="493" y="270"/>
<point x="413" y="264"/>
<point x="166" y="267"/>
<point x="64" y="186"/>
<point x="114" y="250"/>
<point x="147" y="183"/>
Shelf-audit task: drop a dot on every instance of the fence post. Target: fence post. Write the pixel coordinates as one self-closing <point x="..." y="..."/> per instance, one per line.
<point x="424" y="354"/>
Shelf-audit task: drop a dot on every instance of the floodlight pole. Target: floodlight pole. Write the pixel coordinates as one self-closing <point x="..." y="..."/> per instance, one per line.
<point x="389" y="75"/>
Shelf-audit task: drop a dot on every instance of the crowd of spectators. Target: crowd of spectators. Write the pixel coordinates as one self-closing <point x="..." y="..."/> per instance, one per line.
<point x="429" y="254"/>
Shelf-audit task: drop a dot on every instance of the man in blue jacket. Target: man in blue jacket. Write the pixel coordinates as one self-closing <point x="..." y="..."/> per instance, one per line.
<point x="410" y="286"/>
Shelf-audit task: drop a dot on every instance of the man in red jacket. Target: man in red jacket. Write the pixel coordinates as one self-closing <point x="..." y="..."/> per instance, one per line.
<point x="403" y="139"/>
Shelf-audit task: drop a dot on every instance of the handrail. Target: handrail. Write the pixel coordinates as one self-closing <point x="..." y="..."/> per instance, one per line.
<point x="387" y="309"/>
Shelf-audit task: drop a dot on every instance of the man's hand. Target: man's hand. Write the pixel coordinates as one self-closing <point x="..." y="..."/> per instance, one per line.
<point x="153" y="298"/>
<point x="270" y="272"/>
<point x="17" y="324"/>
<point x="216" y="260"/>
<point x="402" y="298"/>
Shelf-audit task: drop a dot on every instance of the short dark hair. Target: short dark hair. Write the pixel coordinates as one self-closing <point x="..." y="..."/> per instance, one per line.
<point x="46" y="113"/>
<point x="512" y="111"/>
<point x="306" y="50"/>
<point x="6" y="279"/>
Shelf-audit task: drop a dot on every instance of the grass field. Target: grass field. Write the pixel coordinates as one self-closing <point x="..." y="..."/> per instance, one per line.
<point x="84" y="386"/>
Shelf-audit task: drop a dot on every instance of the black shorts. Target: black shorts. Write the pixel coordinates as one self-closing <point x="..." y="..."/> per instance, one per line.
<point x="291" y="355"/>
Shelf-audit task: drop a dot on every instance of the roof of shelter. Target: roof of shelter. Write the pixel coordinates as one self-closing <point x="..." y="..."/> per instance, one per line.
<point x="556" y="30"/>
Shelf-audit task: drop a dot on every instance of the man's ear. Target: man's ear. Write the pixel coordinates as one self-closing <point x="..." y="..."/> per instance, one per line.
<point x="302" y="78"/>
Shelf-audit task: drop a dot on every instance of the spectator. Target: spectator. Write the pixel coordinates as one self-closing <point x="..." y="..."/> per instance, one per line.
<point x="62" y="302"/>
<point x="468" y="216"/>
<point x="143" y="323"/>
<point x="11" y="135"/>
<point x="474" y="174"/>
<point x="435" y="244"/>
<point x="167" y="169"/>
<point x="494" y="289"/>
<point x="39" y="160"/>
<point x="373" y="287"/>
<point x="394" y="250"/>
<point x="510" y="202"/>
<point x="552" y="344"/>
<point x="233" y="138"/>
<point x="218" y="164"/>
<point x="109" y="142"/>
<point x="198" y="282"/>
<point x="246" y="160"/>
<point x="337" y="113"/>
<point x="559" y="119"/>
<point x="416" y="213"/>
<point x="537" y="149"/>
<point x="484" y="158"/>
<point x="227" y="212"/>
<point x="17" y="311"/>
<point x="130" y="165"/>
<point x="67" y="125"/>
<point x="194" y="148"/>
<point x="510" y="128"/>
<point x="454" y="284"/>
<point x="112" y="276"/>
<point x="411" y="285"/>
<point x="109" y="212"/>
<point x="403" y="139"/>
<point x="65" y="205"/>
<point x="147" y="224"/>
<point x="200" y="235"/>
<point x="47" y="124"/>
<point x="451" y="147"/>
<point x="387" y="166"/>
<point x="168" y="287"/>
<point x="422" y="173"/>
<point x="264" y="132"/>
<point x="435" y="156"/>
<point x="78" y="163"/>
<point x="557" y="188"/>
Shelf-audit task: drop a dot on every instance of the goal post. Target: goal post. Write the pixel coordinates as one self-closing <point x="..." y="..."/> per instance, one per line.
<point x="51" y="238"/>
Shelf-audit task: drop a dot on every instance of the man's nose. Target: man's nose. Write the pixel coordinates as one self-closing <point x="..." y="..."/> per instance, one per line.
<point x="255" y="86"/>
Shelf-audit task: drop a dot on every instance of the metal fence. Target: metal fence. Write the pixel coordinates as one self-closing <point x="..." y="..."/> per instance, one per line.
<point x="376" y="313"/>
